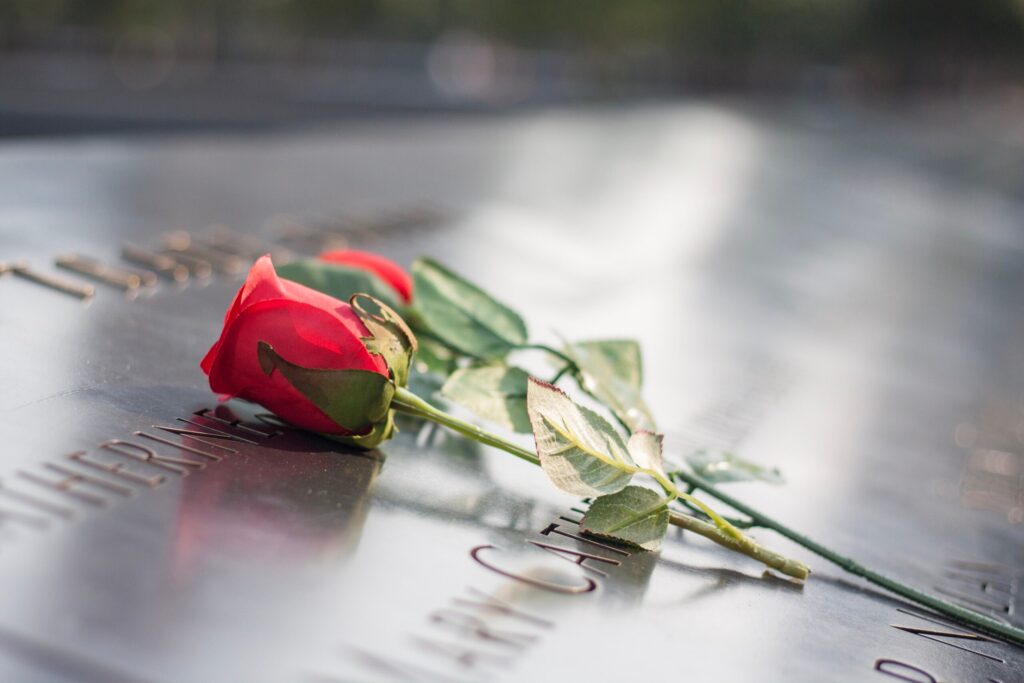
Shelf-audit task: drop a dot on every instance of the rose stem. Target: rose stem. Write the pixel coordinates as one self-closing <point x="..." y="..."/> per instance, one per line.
<point x="409" y="403"/>
<point x="966" y="616"/>
<point x="774" y="560"/>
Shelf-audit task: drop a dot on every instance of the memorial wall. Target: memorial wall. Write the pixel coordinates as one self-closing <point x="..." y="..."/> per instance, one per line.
<point x="842" y="317"/>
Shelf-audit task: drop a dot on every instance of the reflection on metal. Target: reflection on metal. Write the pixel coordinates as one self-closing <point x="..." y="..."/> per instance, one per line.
<point x="994" y="480"/>
<point x="121" y="278"/>
<point x="44" y="654"/>
<point x="158" y="263"/>
<point x="75" y="289"/>
<point x="302" y="503"/>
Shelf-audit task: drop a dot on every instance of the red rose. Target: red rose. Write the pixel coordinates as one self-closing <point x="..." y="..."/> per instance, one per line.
<point x="387" y="270"/>
<point x="304" y="327"/>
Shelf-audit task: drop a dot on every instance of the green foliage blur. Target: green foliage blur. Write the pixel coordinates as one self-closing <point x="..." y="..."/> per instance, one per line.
<point x="813" y="30"/>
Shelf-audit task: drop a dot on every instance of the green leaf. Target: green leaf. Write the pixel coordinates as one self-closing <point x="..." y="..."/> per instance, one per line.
<point x="645" y="449"/>
<point x="722" y="466"/>
<point x="578" y="449"/>
<point x="434" y="357"/>
<point x="389" y="337"/>
<point x="635" y="515"/>
<point x="611" y="372"/>
<point x="337" y="280"/>
<point x="357" y="400"/>
<point x="622" y="356"/>
<point x="495" y="392"/>
<point x="462" y="315"/>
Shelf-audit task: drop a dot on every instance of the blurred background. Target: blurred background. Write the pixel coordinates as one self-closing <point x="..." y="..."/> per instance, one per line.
<point x="73" y="66"/>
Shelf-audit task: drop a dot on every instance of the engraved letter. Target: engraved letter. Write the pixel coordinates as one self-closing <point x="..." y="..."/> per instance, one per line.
<point x="28" y="520"/>
<point x="72" y="479"/>
<point x="31" y="501"/>
<point x="151" y="457"/>
<point x="950" y="633"/>
<point x="465" y="656"/>
<point x="214" y="431"/>
<point x="587" y="587"/>
<point x="903" y="672"/>
<point x="187" y="449"/>
<point x="471" y="625"/>
<point x="198" y="436"/>
<point x="553" y="529"/>
<point x="235" y="422"/>
<point x="117" y="469"/>
<point x="580" y="556"/>
<point x="490" y="603"/>
<point x="402" y="671"/>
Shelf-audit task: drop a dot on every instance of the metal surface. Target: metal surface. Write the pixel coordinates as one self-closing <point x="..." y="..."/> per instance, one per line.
<point x="850" y="314"/>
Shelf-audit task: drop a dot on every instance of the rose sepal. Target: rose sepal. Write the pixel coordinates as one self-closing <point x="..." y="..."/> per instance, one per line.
<point x="390" y="337"/>
<point x="357" y="400"/>
<point x="381" y="432"/>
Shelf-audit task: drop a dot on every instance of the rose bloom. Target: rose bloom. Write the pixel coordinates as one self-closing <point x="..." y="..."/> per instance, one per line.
<point x="386" y="269"/>
<point x="304" y="326"/>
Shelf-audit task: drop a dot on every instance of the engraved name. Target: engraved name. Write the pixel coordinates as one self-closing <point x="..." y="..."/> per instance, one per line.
<point x="56" y="492"/>
<point x="479" y="636"/>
